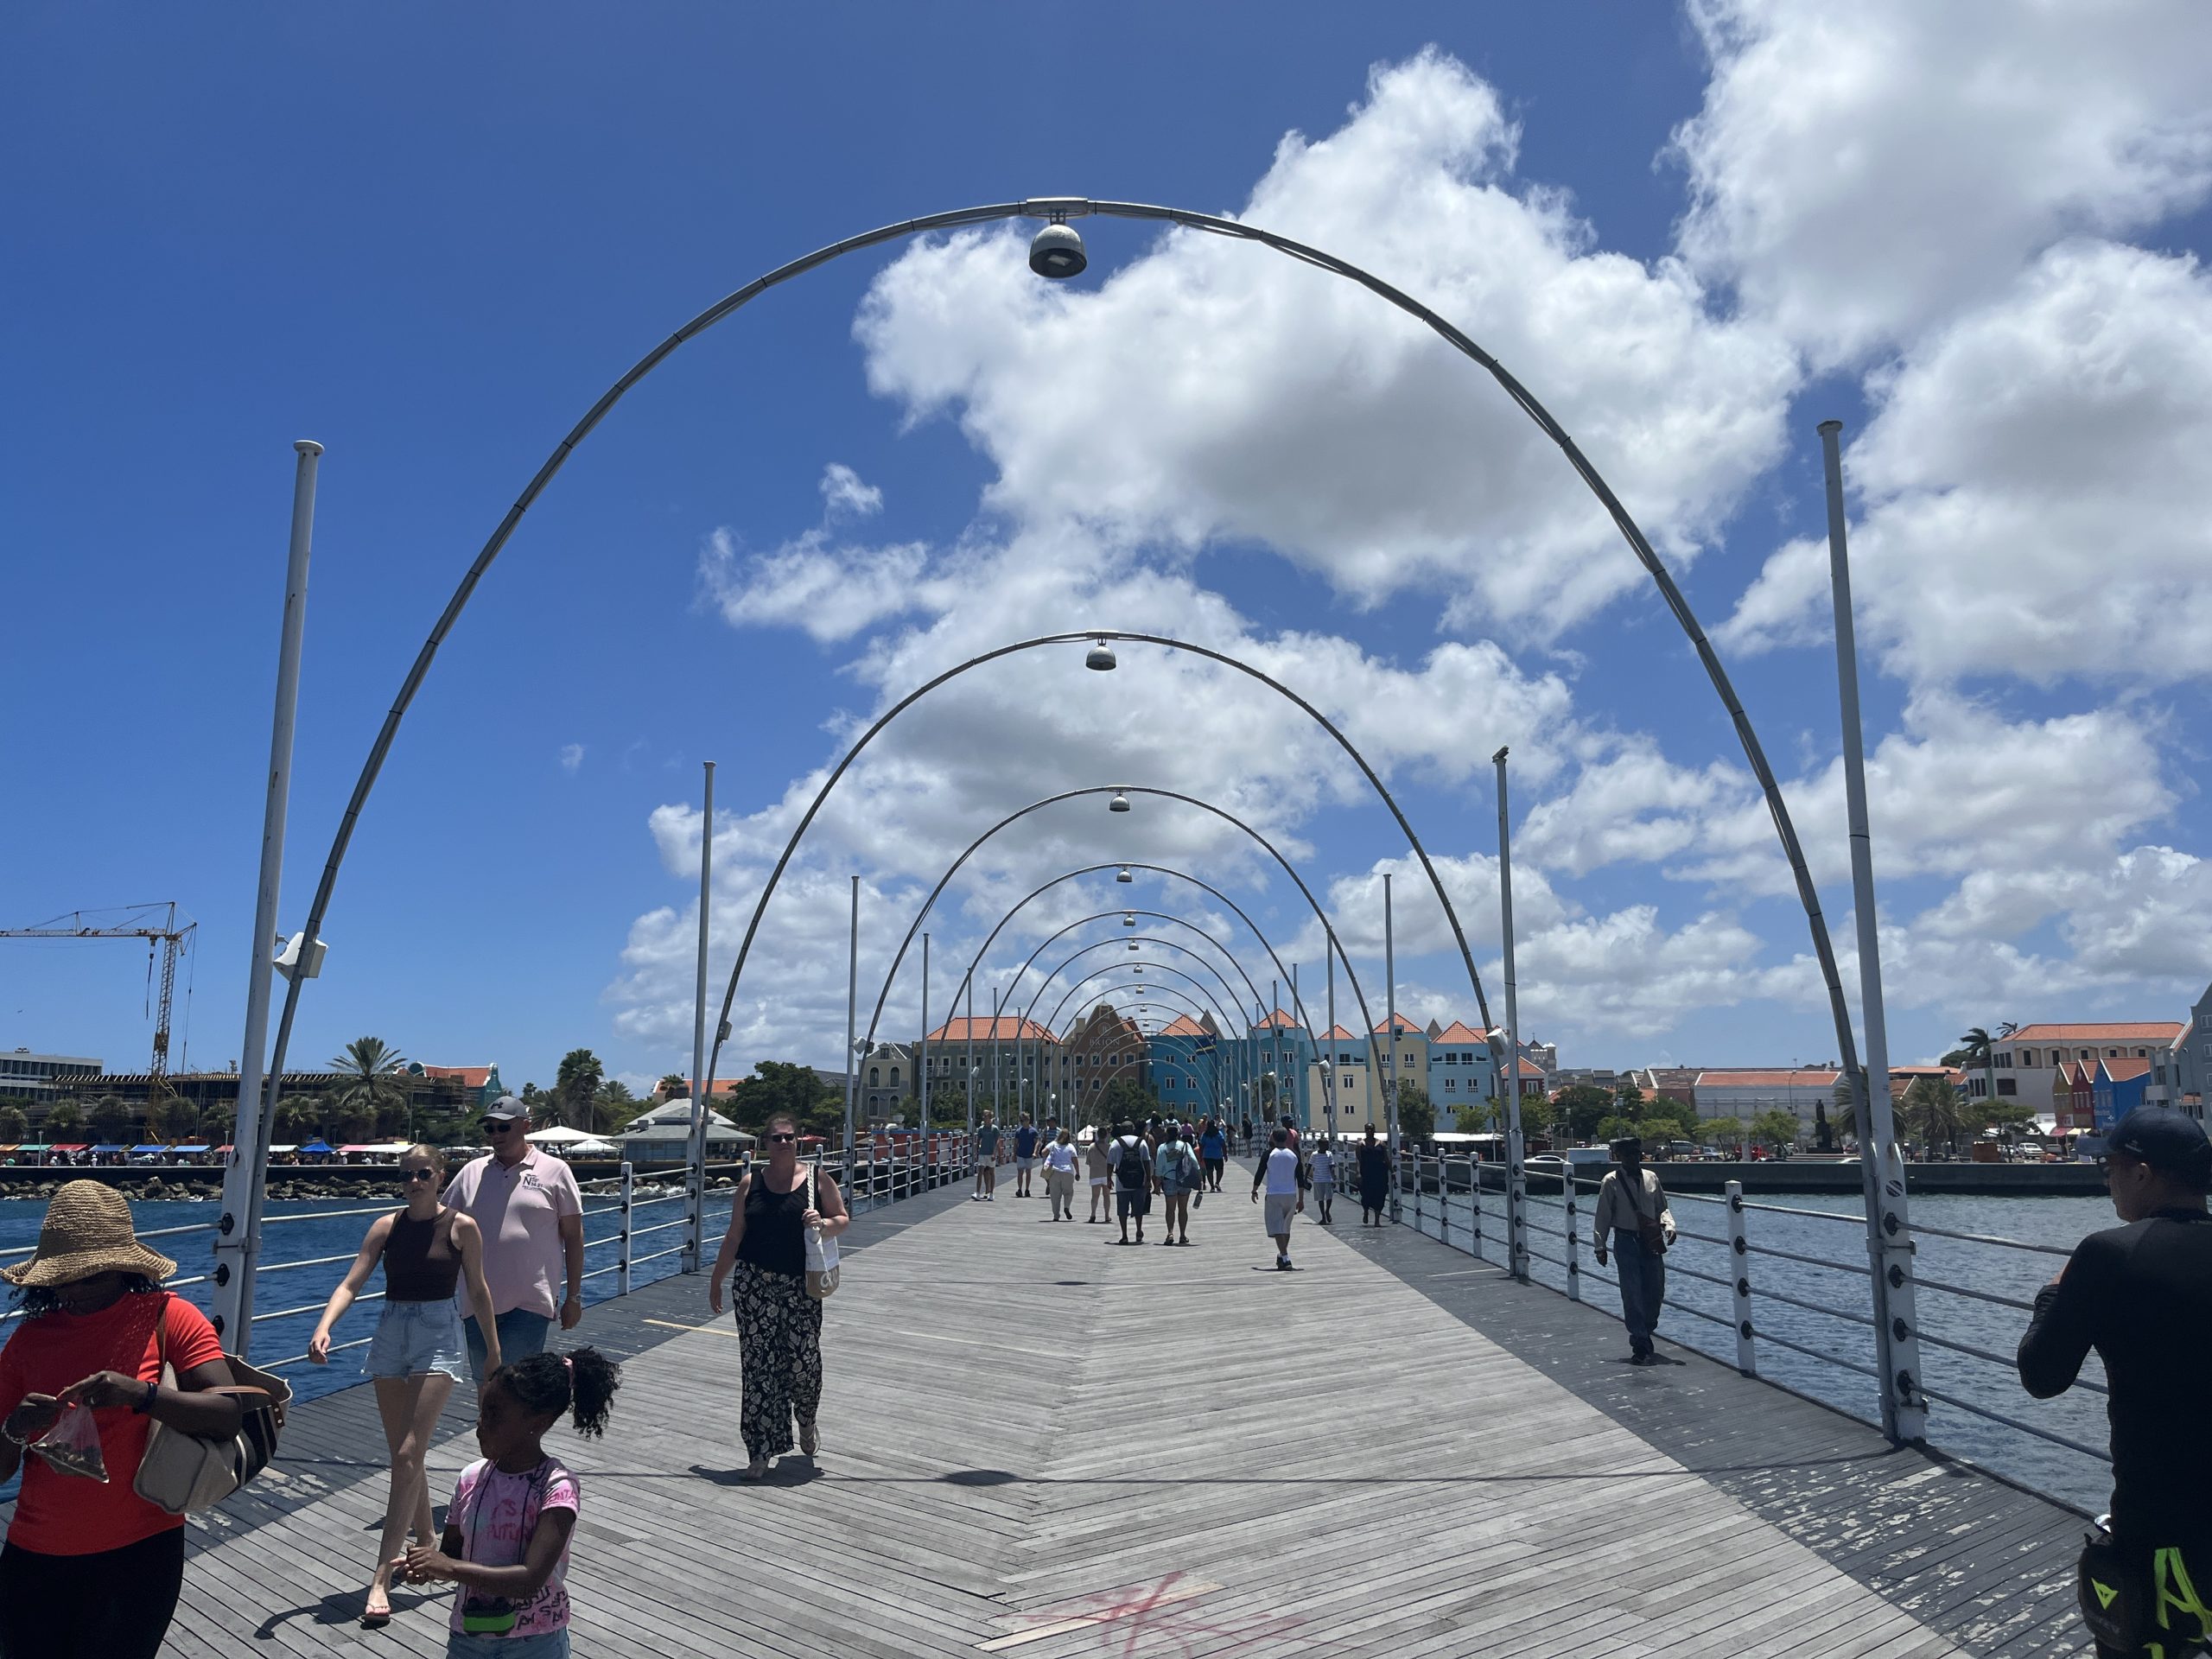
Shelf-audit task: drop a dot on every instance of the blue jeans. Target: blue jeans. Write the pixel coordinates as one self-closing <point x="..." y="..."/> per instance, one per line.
<point x="1643" y="1287"/>
<point x="521" y="1334"/>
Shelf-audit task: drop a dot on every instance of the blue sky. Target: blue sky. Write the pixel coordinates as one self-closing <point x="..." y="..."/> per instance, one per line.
<point x="430" y="240"/>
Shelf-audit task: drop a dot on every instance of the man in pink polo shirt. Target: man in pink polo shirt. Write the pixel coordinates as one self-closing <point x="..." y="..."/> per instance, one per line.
<point x="533" y="1218"/>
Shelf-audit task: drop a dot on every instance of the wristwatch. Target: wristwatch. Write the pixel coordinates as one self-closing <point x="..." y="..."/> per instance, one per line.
<point x="146" y="1400"/>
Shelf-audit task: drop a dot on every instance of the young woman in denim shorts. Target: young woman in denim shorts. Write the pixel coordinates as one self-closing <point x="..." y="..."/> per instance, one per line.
<point x="418" y="1352"/>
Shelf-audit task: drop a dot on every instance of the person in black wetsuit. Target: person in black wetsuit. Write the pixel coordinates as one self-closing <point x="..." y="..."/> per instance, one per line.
<point x="1373" y="1179"/>
<point x="2141" y="1295"/>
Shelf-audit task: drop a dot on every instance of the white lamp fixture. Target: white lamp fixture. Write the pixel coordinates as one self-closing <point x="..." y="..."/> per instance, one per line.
<point x="1100" y="656"/>
<point x="1056" y="252"/>
<point x="1124" y="874"/>
<point x="1118" y="803"/>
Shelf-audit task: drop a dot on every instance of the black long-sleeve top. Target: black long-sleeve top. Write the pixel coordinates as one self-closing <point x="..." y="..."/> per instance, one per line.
<point x="2140" y="1295"/>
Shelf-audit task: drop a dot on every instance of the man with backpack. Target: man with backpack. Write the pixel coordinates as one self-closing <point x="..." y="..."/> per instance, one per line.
<point x="1175" y="1167"/>
<point x="1131" y="1162"/>
<point x="1283" y="1177"/>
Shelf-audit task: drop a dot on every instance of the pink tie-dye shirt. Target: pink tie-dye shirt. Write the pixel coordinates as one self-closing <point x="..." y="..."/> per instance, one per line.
<point x="497" y="1513"/>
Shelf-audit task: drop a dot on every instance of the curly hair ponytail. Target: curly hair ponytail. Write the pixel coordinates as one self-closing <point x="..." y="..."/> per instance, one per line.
<point x="581" y="1382"/>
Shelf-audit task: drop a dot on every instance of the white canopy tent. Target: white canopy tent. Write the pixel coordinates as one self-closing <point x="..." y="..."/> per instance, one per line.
<point x="558" y="1135"/>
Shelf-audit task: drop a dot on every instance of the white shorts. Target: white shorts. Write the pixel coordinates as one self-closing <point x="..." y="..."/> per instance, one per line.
<point x="1098" y="1180"/>
<point x="1280" y="1207"/>
<point x="1025" y="1165"/>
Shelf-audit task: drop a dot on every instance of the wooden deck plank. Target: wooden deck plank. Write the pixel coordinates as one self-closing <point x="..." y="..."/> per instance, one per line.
<point x="1149" y="1452"/>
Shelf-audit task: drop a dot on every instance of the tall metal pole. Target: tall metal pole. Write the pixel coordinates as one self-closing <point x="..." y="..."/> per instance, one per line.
<point x="1330" y="1083"/>
<point x="852" y="1017"/>
<point x="922" y="1049"/>
<point x="701" y="1085"/>
<point x="998" y="1055"/>
<point x="1304" y="1119"/>
<point x="238" y="1243"/>
<point x="1881" y="1168"/>
<point x="1517" y="1169"/>
<point x="968" y="1089"/>
<point x="1390" y="1032"/>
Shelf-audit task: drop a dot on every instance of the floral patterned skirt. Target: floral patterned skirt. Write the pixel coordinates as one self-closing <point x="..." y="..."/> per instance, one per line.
<point x="780" y="1353"/>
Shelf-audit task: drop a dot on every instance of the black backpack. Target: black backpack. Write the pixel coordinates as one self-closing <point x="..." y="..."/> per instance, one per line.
<point x="1129" y="1172"/>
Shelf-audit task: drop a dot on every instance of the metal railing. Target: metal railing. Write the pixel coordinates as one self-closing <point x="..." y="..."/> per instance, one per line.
<point x="1450" y="1198"/>
<point x="615" y="1219"/>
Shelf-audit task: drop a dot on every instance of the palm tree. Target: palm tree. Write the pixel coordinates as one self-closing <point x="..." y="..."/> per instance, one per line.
<point x="1935" y="1112"/>
<point x="672" y="1086"/>
<point x="370" y="1078"/>
<point x="1981" y="1050"/>
<point x="111" y="1118"/>
<point x="14" y="1125"/>
<point x="613" y="1107"/>
<point x="575" y="1085"/>
<point x="64" y="1119"/>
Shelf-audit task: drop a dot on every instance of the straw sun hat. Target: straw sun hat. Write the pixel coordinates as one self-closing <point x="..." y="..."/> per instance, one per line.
<point x="88" y="1232"/>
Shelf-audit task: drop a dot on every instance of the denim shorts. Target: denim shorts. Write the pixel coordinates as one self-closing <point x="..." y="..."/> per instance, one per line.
<point x="415" y="1339"/>
<point x="549" y="1645"/>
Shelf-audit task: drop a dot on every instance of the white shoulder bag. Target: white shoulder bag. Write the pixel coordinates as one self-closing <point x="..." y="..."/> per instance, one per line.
<point x="820" y="1253"/>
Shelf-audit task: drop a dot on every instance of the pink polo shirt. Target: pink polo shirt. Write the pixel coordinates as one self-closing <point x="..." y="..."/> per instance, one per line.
<point x="520" y="1210"/>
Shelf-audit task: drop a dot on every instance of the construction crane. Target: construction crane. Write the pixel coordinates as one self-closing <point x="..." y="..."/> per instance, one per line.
<point x="156" y="923"/>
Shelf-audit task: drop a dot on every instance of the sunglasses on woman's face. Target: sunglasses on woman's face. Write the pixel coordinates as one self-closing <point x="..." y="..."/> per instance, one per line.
<point x="782" y="1138"/>
<point x="411" y="1176"/>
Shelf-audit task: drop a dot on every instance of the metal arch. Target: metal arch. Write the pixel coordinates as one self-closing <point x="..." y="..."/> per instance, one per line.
<point x="1181" y="875"/>
<point x="1228" y="954"/>
<point x="1156" y="967"/>
<point x="1228" y="990"/>
<point x="1064" y="207"/>
<point x="1123" y="1040"/>
<point x="968" y="852"/>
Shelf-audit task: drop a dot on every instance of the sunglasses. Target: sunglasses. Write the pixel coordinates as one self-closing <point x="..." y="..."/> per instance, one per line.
<point x="500" y="1126"/>
<point x="411" y="1176"/>
<point x="782" y="1138"/>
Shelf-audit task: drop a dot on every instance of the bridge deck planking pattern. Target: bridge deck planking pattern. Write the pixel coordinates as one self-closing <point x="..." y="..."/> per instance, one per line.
<point x="1039" y="1444"/>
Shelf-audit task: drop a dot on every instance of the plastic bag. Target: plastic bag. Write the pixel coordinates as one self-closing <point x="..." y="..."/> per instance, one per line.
<point x="72" y="1446"/>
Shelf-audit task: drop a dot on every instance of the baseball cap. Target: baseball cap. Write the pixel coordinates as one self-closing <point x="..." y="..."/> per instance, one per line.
<point x="2165" y="1138"/>
<point x="506" y="1106"/>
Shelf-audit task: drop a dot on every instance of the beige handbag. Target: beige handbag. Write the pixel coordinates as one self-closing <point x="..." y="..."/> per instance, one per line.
<point x="182" y="1473"/>
<point x="820" y="1253"/>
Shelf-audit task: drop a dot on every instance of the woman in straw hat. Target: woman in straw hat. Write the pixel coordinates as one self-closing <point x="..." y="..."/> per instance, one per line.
<point x="90" y="1569"/>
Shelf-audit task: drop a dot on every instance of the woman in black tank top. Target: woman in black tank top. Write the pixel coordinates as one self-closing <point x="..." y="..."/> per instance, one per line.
<point x="418" y="1352"/>
<point x="778" y="1325"/>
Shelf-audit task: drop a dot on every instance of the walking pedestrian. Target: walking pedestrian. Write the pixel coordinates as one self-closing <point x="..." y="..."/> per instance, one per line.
<point x="1060" y="1157"/>
<point x="1213" y="1150"/>
<point x="1373" y="1179"/>
<point x="987" y="1162"/>
<point x="418" y="1353"/>
<point x="505" y="1544"/>
<point x="1280" y="1174"/>
<point x="1131" y="1161"/>
<point x="1290" y="1129"/>
<point x="1632" y="1211"/>
<point x="1175" y="1168"/>
<point x="1101" y="1170"/>
<point x="1244" y="1135"/>
<point x="526" y="1205"/>
<point x="778" y="1325"/>
<point x="1025" y="1157"/>
<point x="1322" y="1170"/>
<point x="91" y="1569"/>
<point x="2140" y="1294"/>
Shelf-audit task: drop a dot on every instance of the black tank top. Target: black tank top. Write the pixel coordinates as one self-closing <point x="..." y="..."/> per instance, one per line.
<point x="775" y="1237"/>
<point x="420" y="1263"/>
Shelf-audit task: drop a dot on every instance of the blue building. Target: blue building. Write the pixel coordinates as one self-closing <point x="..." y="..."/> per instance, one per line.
<point x="1189" y="1065"/>
<point x="1280" y="1045"/>
<point x="1460" y="1071"/>
<point x="2118" y="1090"/>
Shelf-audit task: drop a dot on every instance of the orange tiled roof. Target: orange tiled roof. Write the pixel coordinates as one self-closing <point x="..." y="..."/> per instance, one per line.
<point x="2126" y="1031"/>
<point x="1528" y="1068"/>
<point x="2120" y="1071"/>
<point x="472" y="1076"/>
<point x="1006" y="1028"/>
<point x="1278" y="1020"/>
<point x="1802" y="1080"/>
<point x="1406" y="1027"/>
<point x="1184" y="1026"/>
<point x="1339" y="1034"/>
<point x="1458" y="1032"/>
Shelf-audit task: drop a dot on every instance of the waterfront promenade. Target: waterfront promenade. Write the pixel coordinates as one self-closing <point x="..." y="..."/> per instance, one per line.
<point x="1039" y="1444"/>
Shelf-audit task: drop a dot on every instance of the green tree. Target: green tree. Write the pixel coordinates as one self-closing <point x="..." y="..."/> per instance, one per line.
<point x="781" y="1086"/>
<point x="371" y="1077"/>
<point x="613" y="1107"/>
<point x="299" y="1119"/>
<point x="2010" y="1118"/>
<point x="1720" y="1132"/>
<point x="1616" y="1127"/>
<point x="1416" y="1115"/>
<point x="1979" y="1048"/>
<point x="1538" y="1115"/>
<point x="575" y="1086"/>
<point x="14" y="1124"/>
<point x="175" y="1119"/>
<point x="1935" y="1111"/>
<point x="1778" y="1128"/>
<point x="671" y="1084"/>
<point x="65" y="1119"/>
<point x="1473" y="1118"/>
<point x="112" y="1120"/>
<point x="1125" y="1098"/>
<point x="1582" y="1107"/>
<point x="1683" y="1116"/>
<point x="1627" y="1102"/>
